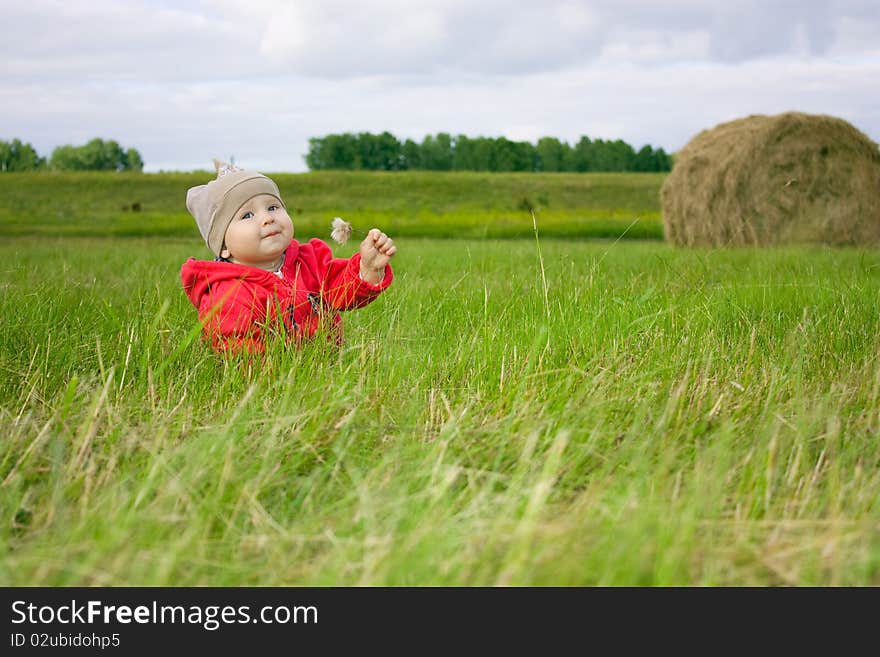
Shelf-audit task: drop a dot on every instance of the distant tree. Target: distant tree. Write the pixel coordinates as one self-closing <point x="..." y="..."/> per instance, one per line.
<point x="379" y="152"/>
<point x="392" y="152"/>
<point x="112" y="156"/>
<point x="462" y="153"/>
<point x="365" y="147"/>
<point x="96" y="155"/>
<point x="512" y="155"/>
<point x="472" y="154"/>
<point x="441" y="152"/>
<point x="412" y="156"/>
<point x="18" y="156"/>
<point x="554" y="155"/>
<point x="333" y="152"/>
<point x="316" y="157"/>
<point x="662" y="161"/>
<point x="583" y="155"/>
<point x="644" y="160"/>
<point x="437" y="152"/>
<point x="65" y="158"/>
<point x="621" y="156"/>
<point x="601" y="155"/>
<point x="133" y="160"/>
<point x="647" y="159"/>
<point x="503" y="155"/>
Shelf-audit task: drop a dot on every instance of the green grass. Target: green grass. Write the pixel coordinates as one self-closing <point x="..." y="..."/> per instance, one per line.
<point x="658" y="417"/>
<point x="405" y="204"/>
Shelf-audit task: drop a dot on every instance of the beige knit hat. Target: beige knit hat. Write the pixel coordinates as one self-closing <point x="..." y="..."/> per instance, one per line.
<point x="214" y="205"/>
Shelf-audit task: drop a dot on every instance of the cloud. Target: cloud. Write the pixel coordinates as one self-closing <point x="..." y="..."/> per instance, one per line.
<point x="185" y="81"/>
<point x="750" y="29"/>
<point x="348" y="39"/>
<point x="344" y="38"/>
<point x="353" y="39"/>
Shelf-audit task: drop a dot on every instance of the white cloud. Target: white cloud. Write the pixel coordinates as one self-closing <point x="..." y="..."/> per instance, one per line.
<point x="184" y="81"/>
<point x="350" y="39"/>
<point x="353" y="38"/>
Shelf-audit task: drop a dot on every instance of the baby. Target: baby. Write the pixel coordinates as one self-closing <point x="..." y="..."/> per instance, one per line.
<point x="262" y="279"/>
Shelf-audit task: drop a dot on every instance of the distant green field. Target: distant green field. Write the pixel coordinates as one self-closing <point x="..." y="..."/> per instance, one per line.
<point x="404" y="204"/>
<point x="638" y="415"/>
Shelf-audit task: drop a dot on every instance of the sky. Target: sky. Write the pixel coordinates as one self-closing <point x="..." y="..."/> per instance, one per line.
<point x="185" y="81"/>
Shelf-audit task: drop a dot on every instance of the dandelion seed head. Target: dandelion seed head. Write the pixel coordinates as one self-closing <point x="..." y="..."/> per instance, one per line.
<point x="224" y="168"/>
<point x="341" y="230"/>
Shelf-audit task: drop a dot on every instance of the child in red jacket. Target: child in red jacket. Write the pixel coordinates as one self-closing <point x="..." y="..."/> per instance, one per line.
<point x="264" y="280"/>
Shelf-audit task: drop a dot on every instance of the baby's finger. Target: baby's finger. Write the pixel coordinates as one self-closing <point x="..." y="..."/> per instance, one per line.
<point x="391" y="251"/>
<point x="386" y="245"/>
<point x="374" y="234"/>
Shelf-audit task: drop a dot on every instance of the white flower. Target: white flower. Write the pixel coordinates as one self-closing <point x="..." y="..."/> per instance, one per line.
<point x="341" y="230"/>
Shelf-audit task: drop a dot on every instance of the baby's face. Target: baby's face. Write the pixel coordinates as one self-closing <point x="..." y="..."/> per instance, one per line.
<point x="259" y="233"/>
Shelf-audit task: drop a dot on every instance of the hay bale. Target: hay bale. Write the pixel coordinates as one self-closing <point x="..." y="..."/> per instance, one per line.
<point x="761" y="180"/>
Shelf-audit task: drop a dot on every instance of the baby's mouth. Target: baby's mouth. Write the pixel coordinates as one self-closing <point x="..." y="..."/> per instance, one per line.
<point x="272" y="234"/>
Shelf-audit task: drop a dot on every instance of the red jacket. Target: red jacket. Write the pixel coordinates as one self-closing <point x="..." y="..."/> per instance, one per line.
<point x="239" y="304"/>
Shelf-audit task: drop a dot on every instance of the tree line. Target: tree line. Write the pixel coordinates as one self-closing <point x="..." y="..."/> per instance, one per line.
<point x="443" y="152"/>
<point x="96" y="155"/>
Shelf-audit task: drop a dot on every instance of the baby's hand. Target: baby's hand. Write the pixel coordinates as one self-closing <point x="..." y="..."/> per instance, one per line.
<point x="376" y="251"/>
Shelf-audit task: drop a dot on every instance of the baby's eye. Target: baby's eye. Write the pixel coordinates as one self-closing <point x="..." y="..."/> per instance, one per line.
<point x="272" y="208"/>
<point x="247" y="215"/>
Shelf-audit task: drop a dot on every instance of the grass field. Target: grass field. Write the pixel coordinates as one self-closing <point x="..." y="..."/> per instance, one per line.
<point x="410" y="204"/>
<point x="613" y="412"/>
<point x="648" y="416"/>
